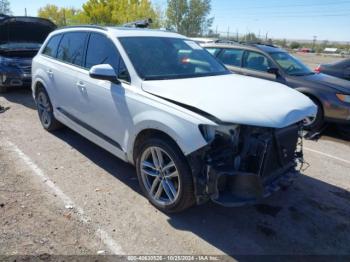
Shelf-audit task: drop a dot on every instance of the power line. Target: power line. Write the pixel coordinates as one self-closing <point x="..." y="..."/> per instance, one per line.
<point x="291" y="5"/>
<point x="285" y="16"/>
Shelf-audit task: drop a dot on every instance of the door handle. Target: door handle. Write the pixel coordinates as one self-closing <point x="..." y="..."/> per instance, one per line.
<point x="81" y="86"/>
<point x="50" y="73"/>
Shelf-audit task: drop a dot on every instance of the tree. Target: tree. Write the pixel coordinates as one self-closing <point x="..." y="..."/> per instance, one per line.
<point x="251" y="37"/>
<point x="5" y="7"/>
<point x="189" y="17"/>
<point x="62" y="16"/>
<point x="294" y="45"/>
<point x="112" y="12"/>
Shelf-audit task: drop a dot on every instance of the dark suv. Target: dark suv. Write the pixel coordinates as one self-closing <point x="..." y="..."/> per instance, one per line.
<point x="330" y="94"/>
<point x="20" y="40"/>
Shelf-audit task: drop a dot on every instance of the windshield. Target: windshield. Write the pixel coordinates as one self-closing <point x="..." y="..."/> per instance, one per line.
<point x="158" y="58"/>
<point x="20" y="46"/>
<point x="290" y="64"/>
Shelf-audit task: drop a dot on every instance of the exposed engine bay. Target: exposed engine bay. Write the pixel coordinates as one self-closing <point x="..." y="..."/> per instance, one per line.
<point x="243" y="164"/>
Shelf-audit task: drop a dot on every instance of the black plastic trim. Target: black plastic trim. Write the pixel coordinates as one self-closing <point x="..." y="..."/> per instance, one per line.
<point x="90" y="129"/>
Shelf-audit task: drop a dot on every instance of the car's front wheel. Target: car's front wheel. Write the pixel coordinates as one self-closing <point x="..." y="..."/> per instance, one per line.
<point x="45" y="111"/>
<point x="164" y="175"/>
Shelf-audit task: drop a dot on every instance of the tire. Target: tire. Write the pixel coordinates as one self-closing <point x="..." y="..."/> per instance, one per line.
<point x="317" y="122"/>
<point x="152" y="181"/>
<point x="344" y="131"/>
<point x="45" y="111"/>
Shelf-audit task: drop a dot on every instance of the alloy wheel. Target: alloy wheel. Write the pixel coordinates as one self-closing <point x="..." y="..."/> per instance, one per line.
<point x="44" y="109"/>
<point x="160" y="176"/>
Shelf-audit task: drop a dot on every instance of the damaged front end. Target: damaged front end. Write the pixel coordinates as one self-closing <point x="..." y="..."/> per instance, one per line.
<point x="243" y="164"/>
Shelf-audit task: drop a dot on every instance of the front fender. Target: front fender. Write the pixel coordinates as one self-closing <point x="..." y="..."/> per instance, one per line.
<point x="185" y="133"/>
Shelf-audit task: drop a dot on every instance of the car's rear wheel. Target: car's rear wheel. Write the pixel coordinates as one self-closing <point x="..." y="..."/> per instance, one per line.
<point x="45" y="111"/>
<point x="315" y="123"/>
<point x="164" y="175"/>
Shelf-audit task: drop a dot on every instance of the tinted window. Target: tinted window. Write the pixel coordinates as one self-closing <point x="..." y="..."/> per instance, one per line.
<point x="101" y="50"/>
<point x="71" y="49"/>
<point x="232" y="57"/>
<point x="256" y="61"/>
<point x="213" y="51"/>
<point x="51" y="47"/>
<point x="158" y="58"/>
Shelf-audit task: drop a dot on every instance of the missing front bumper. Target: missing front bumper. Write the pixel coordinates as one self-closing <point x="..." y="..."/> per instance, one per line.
<point x="233" y="189"/>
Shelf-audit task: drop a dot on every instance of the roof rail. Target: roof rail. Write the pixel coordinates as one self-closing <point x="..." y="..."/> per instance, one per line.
<point x="251" y="43"/>
<point x="226" y="41"/>
<point x="140" y="23"/>
<point x="84" y="26"/>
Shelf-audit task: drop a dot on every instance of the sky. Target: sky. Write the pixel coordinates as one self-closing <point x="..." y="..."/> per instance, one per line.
<point x="290" y="19"/>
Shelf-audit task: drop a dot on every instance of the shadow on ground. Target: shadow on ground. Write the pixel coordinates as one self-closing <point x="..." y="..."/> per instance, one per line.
<point x="22" y="96"/>
<point x="311" y="217"/>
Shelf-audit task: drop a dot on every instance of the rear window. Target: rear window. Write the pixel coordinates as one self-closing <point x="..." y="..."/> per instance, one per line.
<point x="232" y="57"/>
<point x="71" y="48"/>
<point x="51" y="47"/>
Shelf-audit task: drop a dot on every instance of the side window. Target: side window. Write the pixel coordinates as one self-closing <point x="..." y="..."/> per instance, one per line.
<point x="101" y="50"/>
<point x="51" y="47"/>
<point x="256" y="61"/>
<point x="71" y="49"/>
<point x="232" y="57"/>
<point x="212" y="50"/>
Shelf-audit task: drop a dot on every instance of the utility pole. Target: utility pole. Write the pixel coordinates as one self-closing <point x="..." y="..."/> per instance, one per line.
<point x="314" y="42"/>
<point x="228" y="32"/>
<point x="25" y="11"/>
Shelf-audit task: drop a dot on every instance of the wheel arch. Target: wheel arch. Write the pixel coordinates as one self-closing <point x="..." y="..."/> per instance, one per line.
<point x="312" y="95"/>
<point x="150" y="133"/>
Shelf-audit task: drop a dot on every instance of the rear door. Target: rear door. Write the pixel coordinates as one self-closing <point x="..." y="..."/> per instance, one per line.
<point x="232" y="58"/>
<point x="257" y="64"/>
<point x="50" y="66"/>
<point x="101" y="104"/>
<point x="70" y="57"/>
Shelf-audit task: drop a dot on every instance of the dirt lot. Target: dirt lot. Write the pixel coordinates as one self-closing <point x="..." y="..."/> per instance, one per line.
<point x="60" y="194"/>
<point x="313" y="60"/>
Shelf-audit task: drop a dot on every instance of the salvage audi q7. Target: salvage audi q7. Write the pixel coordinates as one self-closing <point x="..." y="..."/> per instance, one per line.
<point x="20" y="40"/>
<point x="156" y="99"/>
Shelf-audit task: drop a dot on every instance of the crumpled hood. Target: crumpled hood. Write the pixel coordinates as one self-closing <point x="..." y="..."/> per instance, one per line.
<point x="237" y="99"/>
<point x="24" y="29"/>
<point x="330" y="81"/>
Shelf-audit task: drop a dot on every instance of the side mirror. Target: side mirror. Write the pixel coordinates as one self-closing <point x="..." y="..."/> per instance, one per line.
<point x="273" y="70"/>
<point x="104" y="72"/>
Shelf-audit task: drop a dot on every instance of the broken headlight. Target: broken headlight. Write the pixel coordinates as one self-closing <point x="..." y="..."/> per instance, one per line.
<point x="209" y="132"/>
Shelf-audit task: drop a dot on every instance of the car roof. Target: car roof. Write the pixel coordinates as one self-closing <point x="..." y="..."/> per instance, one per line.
<point x="252" y="47"/>
<point x="121" y="31"/>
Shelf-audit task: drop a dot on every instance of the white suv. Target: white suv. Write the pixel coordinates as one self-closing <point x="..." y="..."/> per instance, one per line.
<point x="159" y="101"/>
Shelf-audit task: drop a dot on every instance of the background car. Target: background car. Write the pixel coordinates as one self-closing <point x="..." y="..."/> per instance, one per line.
<point x="339" y="69"/>
<point x="20" y="40"/>
<point x="330" y="94"/>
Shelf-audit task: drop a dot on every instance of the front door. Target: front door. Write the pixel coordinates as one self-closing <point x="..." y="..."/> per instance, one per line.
<point x="257" y="65"/>
<point x="102" y="107"/>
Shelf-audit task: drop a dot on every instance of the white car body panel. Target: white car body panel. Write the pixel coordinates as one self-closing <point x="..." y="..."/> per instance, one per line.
<point x="120" y="112"/>
<point x="238" y="99"/>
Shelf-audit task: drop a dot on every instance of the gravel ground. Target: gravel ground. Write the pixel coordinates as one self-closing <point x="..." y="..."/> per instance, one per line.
<point x="62" y="195"/>
<point x="313" y="60"/>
